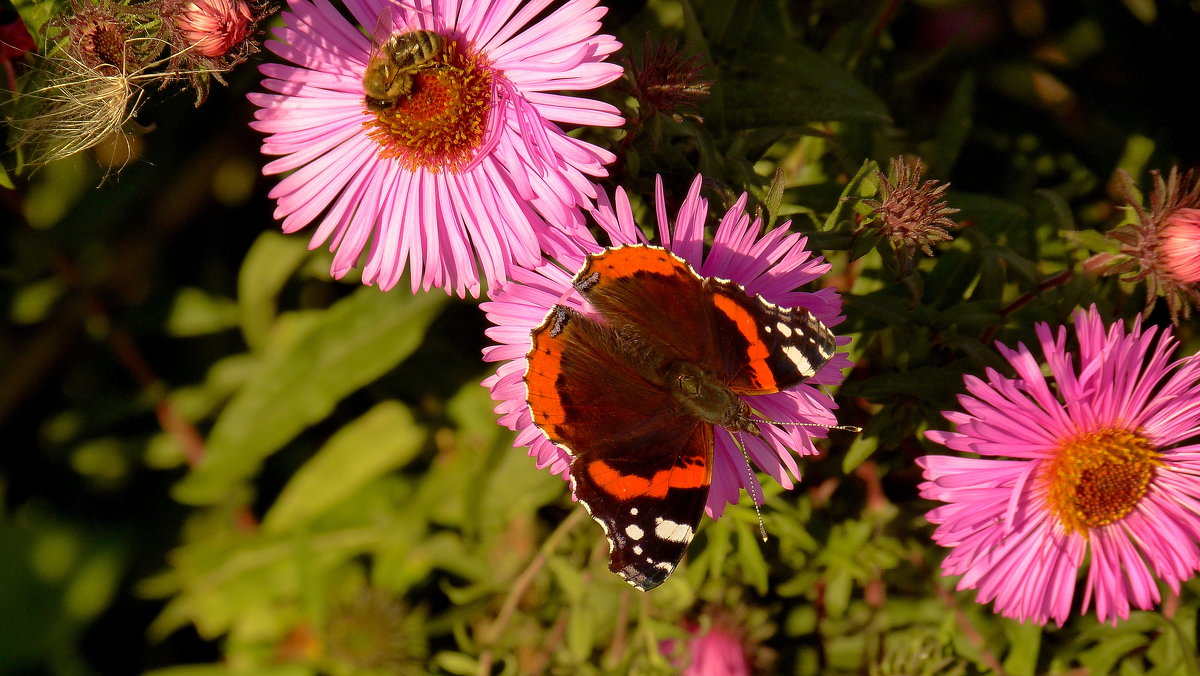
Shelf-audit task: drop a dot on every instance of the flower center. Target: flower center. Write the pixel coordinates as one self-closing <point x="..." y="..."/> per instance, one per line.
<point x="1099" y="477"/>
<point x="442" y="122"/>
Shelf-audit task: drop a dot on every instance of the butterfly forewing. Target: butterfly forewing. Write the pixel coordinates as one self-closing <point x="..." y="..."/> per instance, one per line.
<point x="765" y="348"/>
<point x="654" y="295"/>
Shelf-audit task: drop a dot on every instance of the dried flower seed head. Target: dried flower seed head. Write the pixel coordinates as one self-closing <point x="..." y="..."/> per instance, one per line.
<point x="108" y="36"/>
<point x="666" y="81"/>
<point x="910" y="213"/>
<point x="1161" y="244"/>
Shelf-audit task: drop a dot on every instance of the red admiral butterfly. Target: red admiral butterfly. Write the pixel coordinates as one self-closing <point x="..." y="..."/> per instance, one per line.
<point x="633" y="395"/>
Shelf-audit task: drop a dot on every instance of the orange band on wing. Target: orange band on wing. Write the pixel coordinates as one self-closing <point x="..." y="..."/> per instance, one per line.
<point x="630" y="259"/>
<point x="747" y="325"/>
<point x="544" y="366"/>
<point x="693" y="474"/>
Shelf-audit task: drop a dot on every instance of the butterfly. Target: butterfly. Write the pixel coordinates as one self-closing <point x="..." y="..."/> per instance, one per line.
<point x="632" y="392"/>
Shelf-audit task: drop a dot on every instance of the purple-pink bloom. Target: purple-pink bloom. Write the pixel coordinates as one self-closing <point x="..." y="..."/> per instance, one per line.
<point x="469" y="170"/>
<point x="716" y="652"/>
<point x="773" y="264"/>
<point x="1094" y="465"/>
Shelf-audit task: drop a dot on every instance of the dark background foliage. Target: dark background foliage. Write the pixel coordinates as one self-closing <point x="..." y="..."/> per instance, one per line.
<point x="213" y="455"/>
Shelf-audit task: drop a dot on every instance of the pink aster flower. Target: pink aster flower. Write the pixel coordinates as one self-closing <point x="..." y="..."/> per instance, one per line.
<point x="773" y="264"/>
<point x="467" y="168"/>
<point x="1095" y="464"/>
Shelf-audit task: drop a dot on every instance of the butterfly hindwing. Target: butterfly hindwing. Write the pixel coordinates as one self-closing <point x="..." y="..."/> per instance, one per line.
<point x="649" y="520"/>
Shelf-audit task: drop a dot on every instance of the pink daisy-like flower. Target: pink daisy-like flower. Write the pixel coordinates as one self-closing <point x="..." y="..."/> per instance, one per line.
<point x="468" y="165"/>
<point x="773" y="264"/>
<point x="716" y="652"/>
<point x="1097" y="461"/>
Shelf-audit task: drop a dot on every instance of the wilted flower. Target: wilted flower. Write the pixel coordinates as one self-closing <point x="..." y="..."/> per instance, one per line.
<point x="108" y="36"/>
<point x="773" y="264"/>
<point x="1159" y="246"/>
<point x="665" y="80"/>
<point x="909" y="213"/>
<point x="467" y="169"/>
<point x="93" y="89"/>
<point x="1093" y="466"/>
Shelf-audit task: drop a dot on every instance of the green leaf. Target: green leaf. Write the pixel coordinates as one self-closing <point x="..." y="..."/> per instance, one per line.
<point x="860" y="449"/>
<point x="197" y="313"/>
<point x="456" y="663"/>
<point x="1026" y="640"/>
<point x="792" y="85"/>
<point x="383" y="439"/>
<point x="955" y="127"/>
<point x="852" y="190"/>
<point x="750" y="558"/>
<point x="581" y="631"/>
<point x="311" y="369"/>
<point x="269" y="264"/>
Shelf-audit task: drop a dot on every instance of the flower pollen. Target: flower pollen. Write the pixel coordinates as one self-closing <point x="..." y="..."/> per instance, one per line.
<point x="441" y="124"/>
<point x="1099" y="477"/>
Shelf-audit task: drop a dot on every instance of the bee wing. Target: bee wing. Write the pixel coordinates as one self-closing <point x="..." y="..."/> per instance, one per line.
<point x="384" y="27"/>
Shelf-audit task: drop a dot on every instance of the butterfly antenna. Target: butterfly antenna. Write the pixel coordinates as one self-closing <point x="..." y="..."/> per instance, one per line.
<point x="762" y="528"/>
<point x="844" y="428"/>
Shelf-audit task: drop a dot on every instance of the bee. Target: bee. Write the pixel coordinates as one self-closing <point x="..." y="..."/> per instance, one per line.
<point x="393" y="61"/>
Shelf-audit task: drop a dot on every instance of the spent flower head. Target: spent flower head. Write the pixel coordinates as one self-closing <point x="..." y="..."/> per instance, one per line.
<point x="1089" y="461"/>
<point x="1160" y="244"/>
<point x="666" y="80"/>
<point x="910" y="213"/>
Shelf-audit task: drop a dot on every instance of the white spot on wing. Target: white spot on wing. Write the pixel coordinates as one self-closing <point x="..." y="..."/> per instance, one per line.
<point x="634" y="532"/>
<point x="798" y="359"/>
<point x="671" y="531"/>
<point x="785" y="330"/>
<point x="637" y="549"/>
<point x="633" y="511"/>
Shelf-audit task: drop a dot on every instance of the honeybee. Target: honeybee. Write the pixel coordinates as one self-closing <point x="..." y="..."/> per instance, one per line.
<point x="395" y="59"/>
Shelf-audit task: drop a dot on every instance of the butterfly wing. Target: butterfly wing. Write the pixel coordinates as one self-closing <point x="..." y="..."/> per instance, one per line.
<point x="650" y="293"/>
<point x="750" y="344"/>
<point x="764" y="348"/>
<point x="641" y="470"/>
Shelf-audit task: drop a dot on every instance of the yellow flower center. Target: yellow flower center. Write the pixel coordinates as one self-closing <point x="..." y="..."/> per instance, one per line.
<point x="1097" y="478"/>
<point x="442" y="122"/>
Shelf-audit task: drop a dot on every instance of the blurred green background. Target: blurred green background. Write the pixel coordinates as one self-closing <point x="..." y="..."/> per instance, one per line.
<point x="356" y="508"/>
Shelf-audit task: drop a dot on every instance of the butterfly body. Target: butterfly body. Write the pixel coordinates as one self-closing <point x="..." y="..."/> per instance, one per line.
<point x="632" y="391"/>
